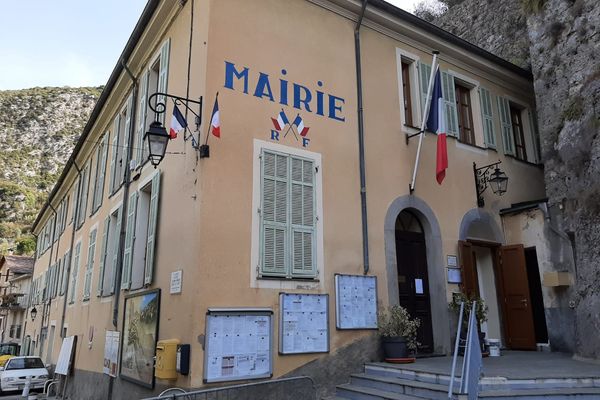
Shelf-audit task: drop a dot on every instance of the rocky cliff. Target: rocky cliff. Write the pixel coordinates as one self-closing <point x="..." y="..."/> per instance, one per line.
<point x="38" y="130"/>
<point x="560" y="41"/>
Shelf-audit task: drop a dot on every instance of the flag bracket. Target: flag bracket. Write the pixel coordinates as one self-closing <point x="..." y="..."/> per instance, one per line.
<point x="408" y="137"/>
<point x="157" y="103"/>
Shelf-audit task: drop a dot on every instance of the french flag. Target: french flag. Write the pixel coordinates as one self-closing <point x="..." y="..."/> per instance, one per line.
<point x="437" y="123"/>
<point x="177" y="123"/>
<point x="302" y="130"/>
<point x="215" y="120"/>
<point x="281" y="121"/>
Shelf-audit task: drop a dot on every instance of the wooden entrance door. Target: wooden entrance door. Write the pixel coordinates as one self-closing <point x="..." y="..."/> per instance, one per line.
<point x="518" y="314"/>
<point x="413" y="283"/>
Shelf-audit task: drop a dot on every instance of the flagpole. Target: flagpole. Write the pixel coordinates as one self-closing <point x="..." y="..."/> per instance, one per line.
<point x="411" y="187"/>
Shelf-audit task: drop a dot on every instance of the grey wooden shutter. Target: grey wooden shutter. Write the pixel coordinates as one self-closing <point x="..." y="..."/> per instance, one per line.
<point x="126" y="138"/>
<point x="103" y="249"/>
<point x="449" y="95"/>
<point x="143" y="108"/>
<point x="151" y="238"/>
<point x="506" y="124"/>
<point x="274" y="213"/>
<point x="99" y="192"/>
<point x="303" y="218"/>
<point x="129" y="240"/>
<point x="65" y="276"/>
<point x="163" y="75"/>
<point x="114" y="153"/>
<point x="424" y="74"/>
<point x="84" y="195"/>
<point x="487" y="117"/>
<point x="535" y="136"/>
<point x="116" y="247"/>
<point x="90" y="266"/>
<point x="74" y="272"/>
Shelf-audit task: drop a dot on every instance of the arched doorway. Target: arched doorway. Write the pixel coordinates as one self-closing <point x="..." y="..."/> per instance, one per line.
<point x="413" y="279"/>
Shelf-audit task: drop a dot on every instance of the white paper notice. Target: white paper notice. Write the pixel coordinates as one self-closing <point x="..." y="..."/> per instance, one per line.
<point x="304" y="323"/>
<point x="419" y="286"/>
<point x="356" y="303"/>
<point x="176" y="282"/>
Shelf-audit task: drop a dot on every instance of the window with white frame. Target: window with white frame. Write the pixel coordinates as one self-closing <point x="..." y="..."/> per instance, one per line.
<point x="101" y="156"/>
<point x="519" y="135"/>
<point x="408" y="88"/>
<point x="288" y="216"/>
<point x="153" y="80"/>
<point x="448" y="94"/>
<point x="74" y="273"/>
<point x="140" y="236"/>
<point x="89" y="265"/>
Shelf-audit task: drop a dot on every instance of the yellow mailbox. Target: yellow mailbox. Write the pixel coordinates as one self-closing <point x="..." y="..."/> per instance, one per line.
<point x="166" y="359"/>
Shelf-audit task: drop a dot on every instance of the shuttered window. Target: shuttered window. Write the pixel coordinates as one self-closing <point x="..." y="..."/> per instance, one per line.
<point x="152" y="225"/>
<point x="129" y="239"/>
<point x="126" y="141"/>
<point x="287" y="216"/>
<point x="448" y="94"/>
<point x="65" y="274"/>
<point x="424" y="74"/>
<point x="143" y="111"/>
<point x="114" y="154"/>
<point x="487" y="117"/>
<point x="90" y="266"/>
<point x="103" y="251"/>
<point x="506" y="126"/>
<point x="74" y="272"/>
<point x="101" y="156"/>
<point x="83" y="188"/>
<point x="163" y="75"/>
<point x="115" y="239"/>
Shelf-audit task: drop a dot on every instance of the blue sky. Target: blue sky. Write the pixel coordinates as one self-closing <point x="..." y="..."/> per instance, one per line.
<point x="69" y="42"/>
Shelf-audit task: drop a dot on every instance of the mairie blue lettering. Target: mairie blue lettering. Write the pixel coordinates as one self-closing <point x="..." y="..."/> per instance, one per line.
<point x="298" y="95"/>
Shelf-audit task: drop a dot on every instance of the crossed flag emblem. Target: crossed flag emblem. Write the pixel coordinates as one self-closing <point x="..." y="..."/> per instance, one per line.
<point x="282" y="121"/>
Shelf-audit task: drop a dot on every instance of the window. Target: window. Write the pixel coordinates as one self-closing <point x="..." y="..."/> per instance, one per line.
<point x="487" y="117"/>
<point x="120" y="143"/>
<point x="140" y="236"/>
<point x="448" y="95"/>
<point x="465" y="114"/>
<point x="406" y="93"/>
<point x="153" y="80"/>
<point x="101" y="155"/>
<point x="65" y="276"/>
<point x="519" y="136"/>
<point x="288" y="216"/>
<point x="83" y="188"/>
<point x="108" y="264"/>
<point x="74" y="198"/>
<point x="90" y="266"/>
<point x="74" y="272"/>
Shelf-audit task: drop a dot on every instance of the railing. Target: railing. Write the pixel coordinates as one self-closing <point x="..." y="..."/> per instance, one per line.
<point x="235" y="392"/>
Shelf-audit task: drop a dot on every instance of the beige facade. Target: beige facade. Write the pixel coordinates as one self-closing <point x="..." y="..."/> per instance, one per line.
<point x="210" y="212"/>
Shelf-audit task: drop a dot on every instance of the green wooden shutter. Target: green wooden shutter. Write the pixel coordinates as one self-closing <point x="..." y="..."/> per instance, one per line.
<point x="74" y="272"/>
<point x="506" y="124"/>
<point x="102" y="154"/>
<point x="449" y="95"/>
<point x="487" y="117"/>
<point x="90" y="266"/>
<point x="55" y="274"/>
<point x="302" y="206"/>
<point x="65" y="275"/>
<point x="129" y="240"/>
<point x="274" y="214"/>
<point x="84" y="195"/>
<point x="151" y="239"/>
<point x="115" y="152"/>
<point x="143" y="108"/>
<point x="50" y="281"/>
<point x="126" y="138"/>
<point x="103" y="249"/>
<point x="116" y="247"/>
<point x="163" y="75"/>
<point x="424" y="74"/>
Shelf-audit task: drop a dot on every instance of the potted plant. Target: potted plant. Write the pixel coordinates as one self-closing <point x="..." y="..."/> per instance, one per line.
<point x="398" y="332"/>
<point x="480" y="314"/>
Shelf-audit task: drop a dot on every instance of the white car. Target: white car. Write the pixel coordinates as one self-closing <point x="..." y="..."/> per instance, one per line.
<point x="17" y="370"/>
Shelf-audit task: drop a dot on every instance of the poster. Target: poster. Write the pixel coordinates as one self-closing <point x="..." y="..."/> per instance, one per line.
<point x="140" y="329"/>
<point x="176" y="282"/>
<point x="238" y="344"/>
<point x="111" y="353"/>
<point x="356" y="301"/>
<point x="65" y="357"/>
<point x="303" y="323"/>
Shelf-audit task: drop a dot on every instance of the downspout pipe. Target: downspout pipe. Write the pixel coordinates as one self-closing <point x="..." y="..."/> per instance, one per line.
<point x="361" y="140"/>
<point x="73" y="231"/>
<point x="126" y="185"/>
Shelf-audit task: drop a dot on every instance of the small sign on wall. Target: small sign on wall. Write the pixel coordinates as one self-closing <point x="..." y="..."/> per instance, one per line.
<point x="452" y="262"/>
<point x="176" y="282"/>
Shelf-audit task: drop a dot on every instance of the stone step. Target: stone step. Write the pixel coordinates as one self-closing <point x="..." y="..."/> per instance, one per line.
<point x="401" y="386"/>
<point x="542" y="394"/>
<point x="353" y="392"/>
<point x="398" y="371"/>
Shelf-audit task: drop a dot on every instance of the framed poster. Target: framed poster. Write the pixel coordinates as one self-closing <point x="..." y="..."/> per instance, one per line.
<point x="111" y="353"/>
<point x="356" y="301"/>
<point x="65" y="357"/>
<point x="303" y="323"/>
<point x="238" y="344"/>
<point x="140" y="332"/>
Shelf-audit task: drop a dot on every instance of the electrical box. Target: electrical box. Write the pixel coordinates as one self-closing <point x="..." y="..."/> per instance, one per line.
<point x="183" y="359"/>
<point x="555" y="278"/>
<point x="166" y="359"/>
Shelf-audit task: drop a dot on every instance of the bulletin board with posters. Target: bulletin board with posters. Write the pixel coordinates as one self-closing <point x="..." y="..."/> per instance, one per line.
<point x="303" y="323"/>
<point x="238" y="344"/>
<point x="356" y="301"/>
<point x="111" y="353"/>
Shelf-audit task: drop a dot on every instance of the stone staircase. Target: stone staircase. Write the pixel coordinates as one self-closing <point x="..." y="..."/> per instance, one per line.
<point x="401" y="382"/>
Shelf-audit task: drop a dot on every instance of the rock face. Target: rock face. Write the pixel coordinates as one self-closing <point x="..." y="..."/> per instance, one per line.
<point x="38" y="130"/>
<point x="560" y="41"/>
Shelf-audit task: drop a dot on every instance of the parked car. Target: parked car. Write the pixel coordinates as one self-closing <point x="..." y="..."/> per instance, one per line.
<point x="17" y="370"/>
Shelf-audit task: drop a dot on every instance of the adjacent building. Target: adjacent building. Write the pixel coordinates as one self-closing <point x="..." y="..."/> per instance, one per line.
<point x="15" y="282"/>
<point x="308" y="180"/>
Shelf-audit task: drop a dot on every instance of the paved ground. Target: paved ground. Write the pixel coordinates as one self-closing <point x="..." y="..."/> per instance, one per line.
<point x="516" y="365"/>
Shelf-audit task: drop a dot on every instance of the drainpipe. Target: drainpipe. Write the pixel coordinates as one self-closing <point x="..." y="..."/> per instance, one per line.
<point x="361" y="141"/>
<point x="75" y="212"/>
<point x="126" y="184"/>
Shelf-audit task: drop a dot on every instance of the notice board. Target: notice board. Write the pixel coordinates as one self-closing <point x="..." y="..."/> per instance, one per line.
<point x="303" y="323"/>
<point x="238" y="344"/>
<point x="356" y="301"/>
<point x="111" y="353"/>
<point x="65" y="357"/>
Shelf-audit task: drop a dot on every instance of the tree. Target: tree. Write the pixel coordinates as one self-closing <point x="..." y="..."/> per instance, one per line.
<point x="25" y="245"/>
